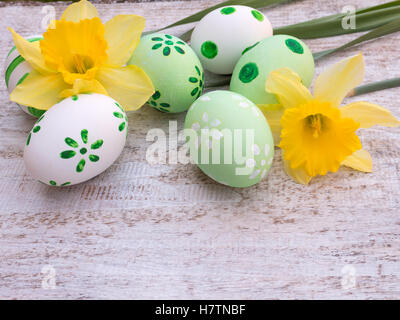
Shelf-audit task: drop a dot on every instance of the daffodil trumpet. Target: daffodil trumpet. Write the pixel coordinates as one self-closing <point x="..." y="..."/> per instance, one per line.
<point x="80" y="54"/>
<point x="316" y="134"/>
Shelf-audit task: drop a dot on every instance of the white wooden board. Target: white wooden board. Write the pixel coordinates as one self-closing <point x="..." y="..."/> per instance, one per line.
<point x="142" y="231"/>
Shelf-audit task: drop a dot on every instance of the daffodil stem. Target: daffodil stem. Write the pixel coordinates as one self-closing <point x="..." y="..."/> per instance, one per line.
<point x="367" y="88"/>
<point x="375" y="86"/>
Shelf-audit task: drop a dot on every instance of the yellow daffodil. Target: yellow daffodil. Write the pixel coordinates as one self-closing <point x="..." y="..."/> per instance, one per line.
<point x="316" y="134"/>
<point x="79" y="54"/>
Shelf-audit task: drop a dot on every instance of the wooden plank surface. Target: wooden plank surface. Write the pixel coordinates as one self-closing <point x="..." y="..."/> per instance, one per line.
<point x="168" y="231"/>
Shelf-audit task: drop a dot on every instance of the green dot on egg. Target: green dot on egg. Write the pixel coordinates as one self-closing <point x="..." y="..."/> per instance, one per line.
<point x="294" y="45"/>
<point x="228" y="10"/>
<point x="36" y="112"/>
<point x="179" y="50"/>
<point x="248" y="72"/>
<point x="258" y="15"/>
<point x="156" y="46"/>
<point x="209" y="50"/>
<point x="166" y="51"/>
<point x="156" y="95"/>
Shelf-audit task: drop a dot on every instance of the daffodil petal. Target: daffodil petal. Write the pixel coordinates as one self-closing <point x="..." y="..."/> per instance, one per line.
<point x="30" y="51"/>
<point x="287" y="87"/>
<point x="39" y="91"/>
<point x="338" y="80"/>
<point x="79" y="11"/>
<point x="273" y="113"/>
<point x="122" y="34"/>
<point x="299" y="174"/>
<point x="84" y="86"/>
<point x="129" y="85"/>
<point x="360" y="160"/>
<point x="369" y="114"/>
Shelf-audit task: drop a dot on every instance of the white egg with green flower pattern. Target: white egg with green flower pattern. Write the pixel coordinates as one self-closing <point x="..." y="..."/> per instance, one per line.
<point x="228" y="124"/>
<point x="75" y="140"/>
<point x="16" y="70"/>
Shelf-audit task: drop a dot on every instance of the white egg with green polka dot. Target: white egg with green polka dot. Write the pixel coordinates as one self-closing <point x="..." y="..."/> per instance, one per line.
<point x="75" y="140"/>
<point x="16" y="71"/>
<point x="224" y="34"/>
<point x="229" y="139"/>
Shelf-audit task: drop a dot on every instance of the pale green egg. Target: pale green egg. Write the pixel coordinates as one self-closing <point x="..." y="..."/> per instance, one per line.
<point x="174" y="69"/>
<point x="256" y="63"/>
<point x="229" y="138"/>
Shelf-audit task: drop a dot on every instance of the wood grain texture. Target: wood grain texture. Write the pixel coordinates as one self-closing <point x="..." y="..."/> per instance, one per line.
<point x="167" y="231"/>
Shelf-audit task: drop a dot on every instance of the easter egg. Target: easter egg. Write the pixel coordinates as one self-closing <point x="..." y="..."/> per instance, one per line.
<point x="16" y="70"/>
<point x="224" y="34"/>
<point x="253" y="68"/>
<point x="174" y="69"/>
<point x="229" y="138"/>
<point x="75" y="140"/>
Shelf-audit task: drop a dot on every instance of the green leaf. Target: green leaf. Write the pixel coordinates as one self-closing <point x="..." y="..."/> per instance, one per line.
<point x="388" y="28"/>
<point x="199" y="15"/>
<point x="375" y="86"/>
<point x="366" y="19"/>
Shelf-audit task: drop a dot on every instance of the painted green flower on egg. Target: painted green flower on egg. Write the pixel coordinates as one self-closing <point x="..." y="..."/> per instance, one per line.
<point x="167" y="44"/>
<point x="121" y="115"/>
<point x="198" y="80"/>
<point x="54" y="184"/>
<point x="155" y="102"/>
<point x="68" y="154"/>
<point x="35" y="129"/>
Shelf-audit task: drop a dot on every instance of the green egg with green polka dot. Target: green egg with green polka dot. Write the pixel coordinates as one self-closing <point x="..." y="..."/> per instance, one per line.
<point x="229" y="139"/>
<point x="256" y="63"/>
<point x="174" y="69"/>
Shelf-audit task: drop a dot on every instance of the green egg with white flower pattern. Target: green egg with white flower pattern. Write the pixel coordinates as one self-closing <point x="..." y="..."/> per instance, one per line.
<point x="229" y="138"/>
<point x="17" y="70"/>
<point x="174" y="69"/>
<point x="256" y="63"/>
